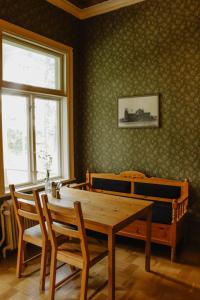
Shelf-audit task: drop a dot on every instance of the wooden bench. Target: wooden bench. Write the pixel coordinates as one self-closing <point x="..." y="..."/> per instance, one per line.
<point x="170" y="203"/>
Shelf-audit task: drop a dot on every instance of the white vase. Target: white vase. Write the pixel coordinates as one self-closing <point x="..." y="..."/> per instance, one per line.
<point x="47" y="183"/>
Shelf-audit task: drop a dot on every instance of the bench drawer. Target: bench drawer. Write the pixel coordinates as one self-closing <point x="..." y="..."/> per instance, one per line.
<point x="161" y="233"/>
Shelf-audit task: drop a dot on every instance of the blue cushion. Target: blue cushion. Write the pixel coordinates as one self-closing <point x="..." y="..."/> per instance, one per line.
<point x="111" y="185"/>
<point x="157" y="190"/>
<point x="161" y="213"/>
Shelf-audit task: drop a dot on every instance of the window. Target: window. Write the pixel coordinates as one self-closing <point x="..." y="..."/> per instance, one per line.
<point x="30" y="126"/>
<point x="28" y="64"/>
<point x="15" y="137"/>
<point x="36" y="108"/>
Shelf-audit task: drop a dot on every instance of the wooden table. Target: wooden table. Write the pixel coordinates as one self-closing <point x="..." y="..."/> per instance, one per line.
<point x="108" y="214"/>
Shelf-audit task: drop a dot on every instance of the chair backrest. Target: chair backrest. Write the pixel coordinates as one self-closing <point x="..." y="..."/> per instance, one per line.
<point x="57" y="215"/>
<point x="28" y="206"/>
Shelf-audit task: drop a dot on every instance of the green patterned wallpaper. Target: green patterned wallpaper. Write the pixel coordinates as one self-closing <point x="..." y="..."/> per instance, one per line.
<point x="149" y="48"/>
<point x="41" y="17"/>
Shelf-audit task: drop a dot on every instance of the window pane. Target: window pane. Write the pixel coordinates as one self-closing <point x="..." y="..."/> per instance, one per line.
<point x="32" y="66"/>
<point x="47" y="137"/>
<point x="15" y="137"/>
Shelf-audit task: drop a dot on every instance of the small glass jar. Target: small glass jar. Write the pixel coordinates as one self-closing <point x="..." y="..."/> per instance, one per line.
<point x="53" y="189"/>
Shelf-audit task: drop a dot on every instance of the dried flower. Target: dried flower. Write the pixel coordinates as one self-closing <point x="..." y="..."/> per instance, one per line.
<point x="46" y="158"/>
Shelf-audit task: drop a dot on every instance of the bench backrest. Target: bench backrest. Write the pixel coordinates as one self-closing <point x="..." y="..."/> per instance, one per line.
<point x="170" y="196"/>
<point x="137" y="186"/>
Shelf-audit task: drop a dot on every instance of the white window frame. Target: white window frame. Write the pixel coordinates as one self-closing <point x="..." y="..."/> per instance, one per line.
<point x="65" y="93"/>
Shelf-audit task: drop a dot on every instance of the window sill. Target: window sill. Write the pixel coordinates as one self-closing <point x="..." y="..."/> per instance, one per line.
<point x="29" y="188"/>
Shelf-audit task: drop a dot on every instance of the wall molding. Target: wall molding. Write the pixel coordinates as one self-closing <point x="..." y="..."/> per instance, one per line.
<point x="68" y="7"/>
<point x="94" y="10"/>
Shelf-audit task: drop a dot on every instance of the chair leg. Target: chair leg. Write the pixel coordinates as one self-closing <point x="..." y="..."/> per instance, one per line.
<point x="20" y="256"/>
<point x="43" y="266"/>
<point x="84" y="283"/>
<point x="52" y="276"/>
<point x="173" y="254"/>
<point x="49" y="257"/>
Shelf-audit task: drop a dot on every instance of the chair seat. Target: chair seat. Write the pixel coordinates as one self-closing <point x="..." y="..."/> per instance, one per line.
<point x="71" y="250"/>
<point x="33" y="235"/>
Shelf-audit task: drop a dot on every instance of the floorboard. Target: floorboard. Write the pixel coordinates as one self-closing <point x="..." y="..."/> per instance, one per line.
<point x="166" y="281"/>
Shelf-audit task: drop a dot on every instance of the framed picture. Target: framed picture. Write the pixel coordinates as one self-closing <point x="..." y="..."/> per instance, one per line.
<point x="136" y="112"/>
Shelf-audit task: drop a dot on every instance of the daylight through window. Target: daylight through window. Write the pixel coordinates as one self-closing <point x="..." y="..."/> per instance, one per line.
<point x="34" y="103"/>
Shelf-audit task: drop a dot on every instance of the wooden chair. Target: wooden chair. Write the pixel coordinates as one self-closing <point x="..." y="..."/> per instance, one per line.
<point x="36" y="235"/>
<point x="78" y="250"/>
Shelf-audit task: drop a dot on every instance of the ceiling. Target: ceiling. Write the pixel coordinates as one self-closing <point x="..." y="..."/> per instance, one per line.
<point x="84" y="9"/>
<point x="86" y="3"/>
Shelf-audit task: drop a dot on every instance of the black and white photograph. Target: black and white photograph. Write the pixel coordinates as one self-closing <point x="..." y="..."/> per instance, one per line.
<point x="140" y="111"/>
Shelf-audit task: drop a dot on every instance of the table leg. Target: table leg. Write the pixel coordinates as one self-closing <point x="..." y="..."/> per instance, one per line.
<point x="148" y="241"/>
<point x="111" y="266"/>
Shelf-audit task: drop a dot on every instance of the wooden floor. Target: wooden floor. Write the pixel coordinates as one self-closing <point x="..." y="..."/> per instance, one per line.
<point x="167" y="281"/>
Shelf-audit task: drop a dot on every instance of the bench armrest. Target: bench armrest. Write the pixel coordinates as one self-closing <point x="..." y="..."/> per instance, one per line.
<point x="182" y="199"/>
<point x="182" y="207"/>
